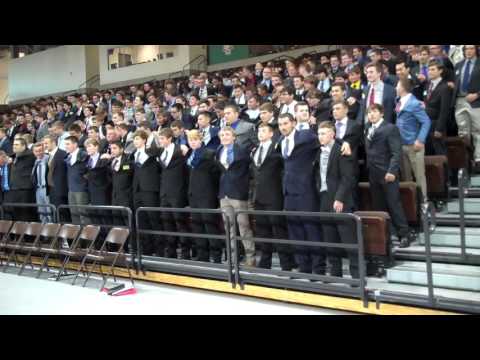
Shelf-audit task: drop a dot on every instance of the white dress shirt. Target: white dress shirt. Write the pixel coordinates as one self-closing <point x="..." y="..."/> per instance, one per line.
<point x="302" y="126"/>
<point x="206" y="135"/>
<point x="141" y="156"/>
<point x="167" y="154"/>
<point x="289" y="108"/>
<point x="73" y="157"/>
<point x="265" y="147"/>
<point x="403" y="100"/>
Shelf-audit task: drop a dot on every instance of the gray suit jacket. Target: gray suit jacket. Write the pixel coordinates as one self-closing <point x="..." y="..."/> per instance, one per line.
<point x="246" y="135"/>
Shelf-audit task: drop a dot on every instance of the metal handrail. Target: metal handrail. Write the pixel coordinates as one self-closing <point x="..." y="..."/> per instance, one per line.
<point x="321" y="216"/>
<point x="187" y="263"/>
<point x="29" y="205"/>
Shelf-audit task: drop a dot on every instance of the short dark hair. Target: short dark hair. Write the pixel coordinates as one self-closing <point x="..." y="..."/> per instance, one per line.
<point x="72" y="139"/>
<point x="340" y="85"/>
<point x="406" y="84"/>
<point x="205" y="113"/>
<point x="268" y="106"/>
<point x="118" y="143"/>
<point x="177" y="124"/>
<point x="75" y="128"/>
<point x="340" y="102"/>
<point x="234" y="107"/>
<point x="287" y="115"/>
<point x="167" y="132"/>
<point x="178" y="107"/>
<point x="262" y="125"/>
<point x="289" y="90"/>
<point x="378" y="107"/>
<point x="142" y="134"/>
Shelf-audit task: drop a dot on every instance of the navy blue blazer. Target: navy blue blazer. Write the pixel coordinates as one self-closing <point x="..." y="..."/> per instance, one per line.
<point x="77" y="181"/>
<point x="6" y="145"/>
<point x="389" y="97"/>
<point x="234" y="181"/>
<point x="214" y="139"/>
<point x="298" y="178"/>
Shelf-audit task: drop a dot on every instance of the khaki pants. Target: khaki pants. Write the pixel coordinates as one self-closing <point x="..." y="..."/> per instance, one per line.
<point x="243" y="225"/>
<point x="468" y="122"/>
<point x="414" y="162"/>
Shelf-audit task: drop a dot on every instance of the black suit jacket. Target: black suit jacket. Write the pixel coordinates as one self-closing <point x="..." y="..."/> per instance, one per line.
<point x="21" y="171"/>
<point x="384" y="151"/>
<point x="354" y="137"/>
<point x="58" y="167"/>
<point x="99" y="182"/>
<point x="340" y="176"/>
<point x="268" y="178"/>
<point x="146" y="177"/>
<point x="204" y="180"/>
<point x="122" y="181"/>
<point x="438" y="107"/>
<point x="174" y="177"/>
<point x="474" y="85"/>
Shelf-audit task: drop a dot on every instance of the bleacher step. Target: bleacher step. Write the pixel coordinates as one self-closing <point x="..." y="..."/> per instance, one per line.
<point x="472" y="206"/>
<point x="475" y="181"/>
<point x="449" y="276"/>
<point x="450" y="237"/>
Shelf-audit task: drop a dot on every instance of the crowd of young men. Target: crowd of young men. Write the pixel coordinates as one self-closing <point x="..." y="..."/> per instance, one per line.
<point x="277" y="137"/>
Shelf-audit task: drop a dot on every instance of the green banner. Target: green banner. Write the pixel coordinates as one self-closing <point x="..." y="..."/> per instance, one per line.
<point x="224" y="53"/>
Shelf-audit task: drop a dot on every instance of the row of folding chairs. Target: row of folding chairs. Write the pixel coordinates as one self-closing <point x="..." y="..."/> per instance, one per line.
<point x="48" y="240"/>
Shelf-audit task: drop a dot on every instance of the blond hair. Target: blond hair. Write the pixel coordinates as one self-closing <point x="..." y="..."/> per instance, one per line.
<point x="194" y="135"/>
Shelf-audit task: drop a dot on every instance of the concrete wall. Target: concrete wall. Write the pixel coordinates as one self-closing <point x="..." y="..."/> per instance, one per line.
<point x="141" y="72"/>
<point x="4" y="77"/>
<point x="52" y="71"/>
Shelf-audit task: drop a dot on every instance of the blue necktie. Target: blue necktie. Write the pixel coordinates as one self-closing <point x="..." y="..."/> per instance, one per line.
<point x="90" y="163"/>
<point x="285" y="149"/>
<point x="466" y="77"/>
<point x="39" y="174"/>
<point x="425" y="71"/>
<point x="230" y="155"/>
<point x="5" y="178"/>
<point x="338" y="125"/>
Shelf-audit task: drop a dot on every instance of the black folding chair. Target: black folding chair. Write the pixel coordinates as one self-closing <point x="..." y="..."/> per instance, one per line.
<point x="47" y="232"/>
<point x="5" y="226"/>
<point x="82" y="246"/>
<point x="67" y="232"/>
<point x="14" y="238"/>
<point x="118" y="237"/>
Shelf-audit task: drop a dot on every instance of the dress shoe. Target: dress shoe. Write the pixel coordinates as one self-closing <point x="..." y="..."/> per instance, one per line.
<point x="404" y="242"/>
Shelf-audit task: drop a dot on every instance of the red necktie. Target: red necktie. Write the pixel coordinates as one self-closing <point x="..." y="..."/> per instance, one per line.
<point x="371" y="101"/>
<point x="397" y="108"/>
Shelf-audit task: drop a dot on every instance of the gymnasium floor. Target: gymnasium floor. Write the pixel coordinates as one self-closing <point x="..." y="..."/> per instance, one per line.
<point x="25" y="295"/>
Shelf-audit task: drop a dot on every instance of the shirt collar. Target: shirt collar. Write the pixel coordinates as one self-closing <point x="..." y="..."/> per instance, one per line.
<point x="292" y="135"/>
<point x="328" y="147"/>
<point x="377" y="125"/>
<point x="266" y="144"/>
<point x="436" y="81"/>
<point x="405" y="98"/>
<point x="75" y="153"/>
<point x="344" y="120"/>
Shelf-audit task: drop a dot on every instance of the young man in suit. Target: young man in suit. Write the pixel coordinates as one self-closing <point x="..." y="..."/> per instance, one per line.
<point x="244" y="131"/>
<point x="77" y="183"/>
<point x="438" y="107"/>
<point x="267" y="116"/>
<point x="57" y="172"/>
<point x="299" y="149"/>
<point x="334" y="174"/>
<point x="173" y="192"/>
<point x="146" y="180"/>
<point x="383" y="145"/>
<point x="204" y="175"/>
<point x="234" y="161"/>
<point x="5" y="144"/>
<point x="121" y="170"/>
<point x="402" y="70"/>
<point x="377" y="92"/>
<point x="177" y="112"/>
<point x="209" y="133"/>
<point x="39" y="180"/>
<point x="414" y="125"/>
<point x="20" y="180"/>
<point x="267" y="168"/>
<point x="467" y="94"/>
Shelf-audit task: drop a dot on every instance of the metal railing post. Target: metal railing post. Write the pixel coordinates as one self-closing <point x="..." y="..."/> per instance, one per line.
<point x="361" y="260"/>
<point x="428" y="253"/>
<point x="461" y="197"/>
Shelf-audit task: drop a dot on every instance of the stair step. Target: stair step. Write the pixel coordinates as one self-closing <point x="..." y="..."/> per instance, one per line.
<point x="445" y="219"/>
<point x="449" y="276"/>
<point x="418" y="248"/>
<point x="475" y="181"/>
<point x="450" y="236"/>
<point x="472" y="206"/>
